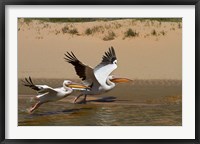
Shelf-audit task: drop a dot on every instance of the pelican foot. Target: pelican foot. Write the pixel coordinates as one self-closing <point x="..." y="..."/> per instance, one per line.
<point x="81" y="102"/>
<point x="75" y="101"/>
<point x="30" y="111"/>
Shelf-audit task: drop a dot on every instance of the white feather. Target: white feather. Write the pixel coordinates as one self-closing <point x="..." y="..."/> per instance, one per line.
<point x="102" y="72"/>
<point x="45" y="89"/>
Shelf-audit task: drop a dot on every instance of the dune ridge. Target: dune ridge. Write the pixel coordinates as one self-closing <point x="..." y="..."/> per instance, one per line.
<point x="145" y="49"/>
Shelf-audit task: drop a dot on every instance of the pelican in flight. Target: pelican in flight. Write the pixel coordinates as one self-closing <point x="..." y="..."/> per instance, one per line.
<point x="98" y="79"/>
<point x="48" y="94"/>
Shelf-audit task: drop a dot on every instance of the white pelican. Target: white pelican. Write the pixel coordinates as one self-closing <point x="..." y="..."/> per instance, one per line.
<point x="48" y="94"/>
<point x="98" y="78"/>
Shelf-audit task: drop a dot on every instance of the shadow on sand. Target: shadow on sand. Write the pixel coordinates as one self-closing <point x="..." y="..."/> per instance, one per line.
<point x="104" y="99"/>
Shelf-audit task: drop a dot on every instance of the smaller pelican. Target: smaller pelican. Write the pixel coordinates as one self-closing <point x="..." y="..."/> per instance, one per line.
<point x="48" y="94"/>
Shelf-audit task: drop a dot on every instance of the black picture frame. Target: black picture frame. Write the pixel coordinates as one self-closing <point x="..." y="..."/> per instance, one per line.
<point x="3" y="4"/>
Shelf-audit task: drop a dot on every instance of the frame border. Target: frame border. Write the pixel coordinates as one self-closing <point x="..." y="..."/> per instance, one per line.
<point x="3" y="4"/>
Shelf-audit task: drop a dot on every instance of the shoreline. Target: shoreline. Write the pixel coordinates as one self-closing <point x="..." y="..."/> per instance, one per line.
<point x="115" y="100"/>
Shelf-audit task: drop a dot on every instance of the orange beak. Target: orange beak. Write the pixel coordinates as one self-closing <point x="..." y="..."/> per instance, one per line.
<point x="120" y="80"/>
<point x="75" y="85"/>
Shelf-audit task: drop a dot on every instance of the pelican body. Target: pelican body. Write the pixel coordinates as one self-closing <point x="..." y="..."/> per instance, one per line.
<point x="98" y="79"/>
<point x="49" y="94"/>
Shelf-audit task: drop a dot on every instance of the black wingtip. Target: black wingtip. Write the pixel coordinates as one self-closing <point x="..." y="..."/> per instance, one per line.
<point x="70" y="57"/>
<point x="23" y="82"/>
<point x="29" y="83"/>
<point x="109" y="56"/>
<point x="30" y="80"/>
<point x="112" y="50"/>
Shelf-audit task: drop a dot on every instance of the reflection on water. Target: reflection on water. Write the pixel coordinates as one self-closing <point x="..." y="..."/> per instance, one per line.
<point x="139" y="105"/>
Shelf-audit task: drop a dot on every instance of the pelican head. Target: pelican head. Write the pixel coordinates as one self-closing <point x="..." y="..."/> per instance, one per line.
<point x="114" y="79"/>
<point x="68" y="83"/>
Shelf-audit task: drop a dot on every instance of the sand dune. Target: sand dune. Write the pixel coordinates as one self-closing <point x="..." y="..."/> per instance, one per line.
<point x="155" y="52"/>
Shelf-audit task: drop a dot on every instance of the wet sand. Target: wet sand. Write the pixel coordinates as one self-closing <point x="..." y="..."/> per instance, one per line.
<point x="144" y="103"/>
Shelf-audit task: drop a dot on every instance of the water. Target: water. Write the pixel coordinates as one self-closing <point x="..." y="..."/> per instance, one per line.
<point x="143" y="103"/>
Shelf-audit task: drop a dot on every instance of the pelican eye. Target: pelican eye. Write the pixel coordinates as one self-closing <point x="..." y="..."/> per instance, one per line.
<point x="67" y="83"/>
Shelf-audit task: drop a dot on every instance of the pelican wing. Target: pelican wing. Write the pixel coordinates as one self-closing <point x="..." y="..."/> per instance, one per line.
<point x="107" y="65"/>
<point x="39" y="88"/>
<point x="83" y="71"/>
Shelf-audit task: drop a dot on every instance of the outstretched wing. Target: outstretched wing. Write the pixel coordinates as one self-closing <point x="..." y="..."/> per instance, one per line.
<point x="83" y="71"/>
<point x="39" y="88"/>
<point x="107" y="65"/>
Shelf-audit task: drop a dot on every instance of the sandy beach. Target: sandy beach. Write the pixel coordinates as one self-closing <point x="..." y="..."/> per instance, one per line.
<point x="153" y="52"/>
